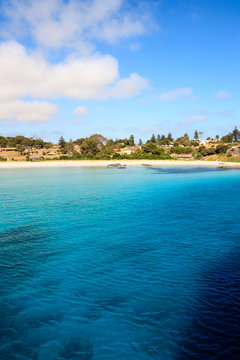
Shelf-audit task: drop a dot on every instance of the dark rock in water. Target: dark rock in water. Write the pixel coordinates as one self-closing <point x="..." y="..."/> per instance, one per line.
<point x="113" y="165"/>
<point x="117" y="165"/>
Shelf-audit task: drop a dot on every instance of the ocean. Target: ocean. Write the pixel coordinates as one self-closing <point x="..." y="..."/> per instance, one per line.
<point x="120" y="264"/>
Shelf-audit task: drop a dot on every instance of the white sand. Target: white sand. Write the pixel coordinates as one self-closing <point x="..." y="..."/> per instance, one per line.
<point x="104" y="163"/>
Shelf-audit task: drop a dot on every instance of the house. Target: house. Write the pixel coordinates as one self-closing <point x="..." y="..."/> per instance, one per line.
<point x="127" y="151"/>
<point x="204" y="142"/>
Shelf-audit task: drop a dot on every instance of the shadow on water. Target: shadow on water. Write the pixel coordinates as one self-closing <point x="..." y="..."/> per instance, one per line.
<point x="215" y="329"/>
<point x="21" y="246"/>
<point x="21" y="234"/>
<point x="78" y="350"/>
<point x="185" y="170"/>
<point x="22" y="250"/>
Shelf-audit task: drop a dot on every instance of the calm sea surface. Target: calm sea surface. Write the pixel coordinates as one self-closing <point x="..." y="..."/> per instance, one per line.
<point x="120" y="264"/>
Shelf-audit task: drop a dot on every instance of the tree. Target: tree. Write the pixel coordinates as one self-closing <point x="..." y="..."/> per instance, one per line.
<point x="100" y="139"/>
<point x="70" y="147"/>
<point x="89" y="147"/>
<point x="3" y="141"/>
<point x="196" y="136"/>
<point x="184" y="140"/>
<point x="158" y="138"/>
<point x="152" y="148"/>
<point x="140" y="142"/>
<point x="227" y="138"/>
<point x="217" y="137"/>
<point x="236" y="134"/>
<point x="38" y="143"/>
<point x="110" y="142"/>
<point x="131" y="140"/>
<point x="62" y="143"/>
<point x="170" y="138"/>
<point x="153" y="139"/>
<point x="79" y="141"/>
<point x="21" y="148"/>
<point x="107" y="150"/>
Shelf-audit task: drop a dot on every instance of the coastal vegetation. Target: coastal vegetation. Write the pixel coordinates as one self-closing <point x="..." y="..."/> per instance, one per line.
<point x="98" y="147"/>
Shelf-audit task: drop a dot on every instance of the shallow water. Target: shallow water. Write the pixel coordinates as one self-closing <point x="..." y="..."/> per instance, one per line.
<point x="131" y="264"/>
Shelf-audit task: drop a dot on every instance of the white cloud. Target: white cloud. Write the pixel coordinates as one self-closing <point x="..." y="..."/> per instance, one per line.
<point x="221" y="95"/>
<point x="128" y="87"/>
<point x="81" y="111"/>
<point x="116" y="30"/>
<point x="195" y="119"/>
<point x="65" y="25"/>
<point x="73" y="25"/>
<point x="27" y="74"/>
<point x="27" y="111"/>
<point x="59" y="23"/>
<point x="94" y="77"/>
<point x="176" y="94"/>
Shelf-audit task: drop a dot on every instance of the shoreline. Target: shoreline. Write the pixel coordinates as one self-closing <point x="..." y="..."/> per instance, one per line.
<point x="104" y="163"/>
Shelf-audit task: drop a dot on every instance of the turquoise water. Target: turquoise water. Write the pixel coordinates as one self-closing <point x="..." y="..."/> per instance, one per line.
<point x="130" y="264"/>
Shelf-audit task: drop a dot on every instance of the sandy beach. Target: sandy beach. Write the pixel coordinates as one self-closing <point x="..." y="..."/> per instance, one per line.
<point x="104" y="163"/>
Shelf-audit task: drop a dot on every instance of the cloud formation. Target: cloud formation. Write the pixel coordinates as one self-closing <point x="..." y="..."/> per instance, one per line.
<point x="176" y="94"/>
<point x="71" y="29"/>
<point x="27" y="111"/>
<point x="27" y="74"/>
<point x="93" y="77"/>
<point x="81" y="111"/>
<point x="72" y="23"/>
<point x="127" y="87"/>
<point x="221" y="95"/>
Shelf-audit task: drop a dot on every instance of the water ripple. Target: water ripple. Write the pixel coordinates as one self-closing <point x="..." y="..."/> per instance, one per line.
<point x="143" y="267"/>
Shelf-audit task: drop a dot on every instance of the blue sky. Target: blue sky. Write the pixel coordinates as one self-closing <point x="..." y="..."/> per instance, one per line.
<point x="119" y="67"/>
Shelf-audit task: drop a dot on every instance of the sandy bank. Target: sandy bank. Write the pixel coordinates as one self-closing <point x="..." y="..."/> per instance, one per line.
<point x="104" y="163"/>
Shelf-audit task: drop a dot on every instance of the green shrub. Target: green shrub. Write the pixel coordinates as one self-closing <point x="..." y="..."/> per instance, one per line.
<point x="221" y="149"/>
<point x="211" y="151"/>
<point x="181" y="150"/>
<point x="116" y="156"/>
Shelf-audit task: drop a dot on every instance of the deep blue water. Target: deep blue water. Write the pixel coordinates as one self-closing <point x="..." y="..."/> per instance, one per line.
<point x="130" y="264"/>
